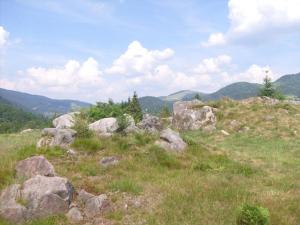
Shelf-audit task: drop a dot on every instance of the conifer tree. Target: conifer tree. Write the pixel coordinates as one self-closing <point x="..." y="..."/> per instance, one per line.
<point x="134" y="108"/>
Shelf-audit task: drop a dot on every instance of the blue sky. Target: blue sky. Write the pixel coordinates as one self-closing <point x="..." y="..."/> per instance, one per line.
<point x="92" y="50"/>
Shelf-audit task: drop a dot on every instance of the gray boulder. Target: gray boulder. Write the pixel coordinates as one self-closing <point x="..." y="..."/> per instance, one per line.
<point x="151" y="124"/>
<point x="74" y="215"/>
<point x="9" y="208"/>
<point x="65" y="121"/>
<point x="36" y="165"/>
<point x="171" y="141"/>
<point x="56" y="137"/>
<point x="192" y="115"/>
<point x="106" y="126"/>
<point x="39" y="196"/>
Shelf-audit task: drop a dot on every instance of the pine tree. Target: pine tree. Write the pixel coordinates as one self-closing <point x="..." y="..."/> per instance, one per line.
<point x="134" y="108"/>
<point x="268" y="88"/>
<point x="197" y="96"/>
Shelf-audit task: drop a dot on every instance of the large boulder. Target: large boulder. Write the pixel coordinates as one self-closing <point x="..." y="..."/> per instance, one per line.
<point x="150" y="124"/>
<point x="192" y="115"/>
<point x="56" y="137"/>
<point x="39" y="196"/>
<point x="9" y="208"/>
<point x="171" y="141"/>
<point x="45" y="196"/>
<point x="65" y="121"/>
<point x="36" y="165"/>
<point x="105" y="126"/>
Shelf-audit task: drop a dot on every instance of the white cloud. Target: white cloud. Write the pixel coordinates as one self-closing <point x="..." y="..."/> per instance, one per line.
<point x="3" y="37"/>
<point x="138" y="59"/>
<point x="138" y="69"/>
<point x="215" y="39"/>
<point x="249" y="17"/>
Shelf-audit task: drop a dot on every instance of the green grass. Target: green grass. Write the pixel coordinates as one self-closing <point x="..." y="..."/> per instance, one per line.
<point x="207" y="184"/>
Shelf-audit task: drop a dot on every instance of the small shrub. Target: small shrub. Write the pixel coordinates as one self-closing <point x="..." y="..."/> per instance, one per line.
<point x="89" y="145"/>
<point x="81" y="126"/>
<point x="126" y="185"/>
<point x="122" y="122"/>
<point x="253" y="215"/>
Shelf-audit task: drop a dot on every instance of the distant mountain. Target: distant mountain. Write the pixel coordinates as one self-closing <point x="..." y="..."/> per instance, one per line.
<point x="40" y="104"/>
<point x="289" y="85"/>
<point x="14" y="119"/>
<point x="153" y="105"/>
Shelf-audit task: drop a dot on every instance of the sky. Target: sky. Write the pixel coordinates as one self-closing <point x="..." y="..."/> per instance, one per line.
<point x="92" y="50"/>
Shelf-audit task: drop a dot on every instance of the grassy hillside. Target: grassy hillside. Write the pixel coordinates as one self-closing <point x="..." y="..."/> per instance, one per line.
<point x="40" y="104"/>
<point x="13" y="119"/>
<point x="204" y="185"/>
<point x="289" y="85"/>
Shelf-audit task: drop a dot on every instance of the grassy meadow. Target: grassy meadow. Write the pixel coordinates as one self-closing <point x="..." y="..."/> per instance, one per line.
<point x="205" y="185"/>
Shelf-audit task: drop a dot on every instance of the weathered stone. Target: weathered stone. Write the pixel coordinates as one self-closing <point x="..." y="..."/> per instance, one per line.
<point x="83" y="196"/>
<point x="209" y="129"/>
<point x="105" y="126"/>
<point x="192" y="115"/>
<point x="9" y="208"/>
<point x="171" y="141"/>
<point x="109" y="161"/>
<point x="151" y="124"/>
<point x="45" y="192"/>
<point x="65" y="121"/>
<point x="74" y="215"/>
<point x="56" y="137"/>
<point x="36" y="165"/>
<point x="96" y="205"/>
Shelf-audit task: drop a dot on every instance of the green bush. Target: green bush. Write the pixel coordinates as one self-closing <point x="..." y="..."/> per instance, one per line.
<point x="81" y="126"/>
<point x="122" y="122"/>
<point x="253" y="215"/>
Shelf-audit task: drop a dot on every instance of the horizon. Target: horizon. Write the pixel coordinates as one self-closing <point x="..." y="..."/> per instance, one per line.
<point x="94" y="50"/>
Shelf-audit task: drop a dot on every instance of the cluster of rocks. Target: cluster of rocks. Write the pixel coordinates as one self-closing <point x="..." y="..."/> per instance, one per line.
<point x="43" y="194"/>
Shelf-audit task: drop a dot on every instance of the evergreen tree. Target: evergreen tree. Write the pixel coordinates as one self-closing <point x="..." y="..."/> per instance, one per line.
<point x="268" y="88"/>
<point x="134" y="108"/>
<point x="198" y="97"/>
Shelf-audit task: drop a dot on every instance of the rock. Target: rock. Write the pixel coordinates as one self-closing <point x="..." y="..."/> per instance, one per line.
<point x="65" y="121"/>
<point x="225" y="133"/>
<point x="263" y="100"/>
<point x="151" y="124"/>
<point x="132" y="130"/>
<point x="9" y="208"/>
<point x="56" y="137"/>
<point x="268" y="118"/>
<point x="171" y="141"/>
<point x="234" y="124"/>
<point x="83" y="196"/>
<point x="105" y="126"/>
<point x="47" y="196"/>
<point x="244" y="129"/>
<point x="192" y="115"/>
<point x="96" y="205"/>
<point x="36" y="165"/>
<point x="109" y="161"/>
<point x="71" y="152"/>
<point x="74" y="215"/>
<point x="26" y="131"/>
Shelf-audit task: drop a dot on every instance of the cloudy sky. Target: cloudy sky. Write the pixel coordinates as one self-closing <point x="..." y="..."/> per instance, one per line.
<point x="95" y="49"/>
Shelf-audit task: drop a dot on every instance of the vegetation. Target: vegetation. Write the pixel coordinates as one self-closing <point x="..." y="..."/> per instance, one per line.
<point x="253" y="215"/>
<point x="269" y="90"/>
<point x="165" y="112"/>
<point x="205" y="185"/>
<point x="13" y="119"/>
<point x="81" y="126"/>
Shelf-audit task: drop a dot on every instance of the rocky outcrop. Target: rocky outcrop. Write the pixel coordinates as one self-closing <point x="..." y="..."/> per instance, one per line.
<point x="192" y="115"/>
<point x="65" y="121"/>
<point x="105" y="127"/>
<point x="264" y="100"/>
<point x="56" y="137"/>
<point x="171" y="141"/>
<point x="150" y="124"/>
<point x="39" y="196"/>
<point x="36" y="165"/>
<point x="74" y="215"/>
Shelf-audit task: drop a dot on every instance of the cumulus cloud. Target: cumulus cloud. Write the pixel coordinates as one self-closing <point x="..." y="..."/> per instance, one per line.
<point x="215" y="39"/>
<point x="138" y="68"/>
<point x="248" y="17"/>
<point x="138" y="59"/>
<point x="3" y="37"/>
